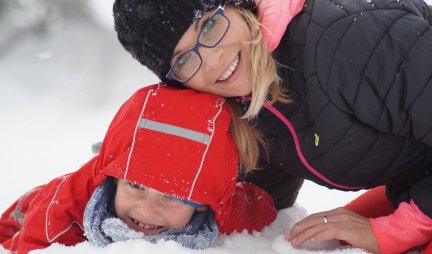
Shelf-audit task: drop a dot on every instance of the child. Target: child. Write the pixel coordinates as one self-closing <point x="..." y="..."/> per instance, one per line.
<point x="167" y="169"/>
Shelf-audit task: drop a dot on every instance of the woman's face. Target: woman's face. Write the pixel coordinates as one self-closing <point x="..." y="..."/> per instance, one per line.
<point x="226" y="68"/>
<point x="148" y="211"/>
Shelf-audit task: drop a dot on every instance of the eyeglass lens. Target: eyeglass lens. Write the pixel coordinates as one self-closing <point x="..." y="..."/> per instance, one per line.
<point x="210" y="35"/>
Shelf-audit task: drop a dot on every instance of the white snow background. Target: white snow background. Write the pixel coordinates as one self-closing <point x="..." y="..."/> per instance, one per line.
<point x="63" y="75"/>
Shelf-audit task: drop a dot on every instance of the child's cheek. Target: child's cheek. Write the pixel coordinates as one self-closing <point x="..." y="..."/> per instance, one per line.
<point x="120" y="203"/>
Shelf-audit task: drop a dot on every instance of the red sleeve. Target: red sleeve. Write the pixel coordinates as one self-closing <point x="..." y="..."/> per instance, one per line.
<point x="9" y="225"/>
<point x="12" y="219"/>
<point x="406" y="228"/>
<point x="253" y="209"/>
<point x="53" y="213"/>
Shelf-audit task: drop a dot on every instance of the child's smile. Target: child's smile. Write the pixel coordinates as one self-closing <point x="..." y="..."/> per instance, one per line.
<point x="145" y="228"/>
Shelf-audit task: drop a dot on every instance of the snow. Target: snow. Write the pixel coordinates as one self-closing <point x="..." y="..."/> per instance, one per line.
<point x="60" y="86"/>
<point x="269" y="240"/>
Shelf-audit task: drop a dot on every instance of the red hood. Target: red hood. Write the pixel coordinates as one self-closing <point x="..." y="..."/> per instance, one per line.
<point x="177" y="142"/>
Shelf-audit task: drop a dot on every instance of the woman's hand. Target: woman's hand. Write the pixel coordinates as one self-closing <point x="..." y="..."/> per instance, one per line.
<point x="340" y="224"/>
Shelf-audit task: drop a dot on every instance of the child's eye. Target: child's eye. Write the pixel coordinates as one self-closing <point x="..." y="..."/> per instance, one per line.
<point x="170" y="200"/>
<point x="136" y="185"/>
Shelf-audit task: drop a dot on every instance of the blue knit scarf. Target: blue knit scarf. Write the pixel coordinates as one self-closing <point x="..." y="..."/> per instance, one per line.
<point x="102" y="227"/>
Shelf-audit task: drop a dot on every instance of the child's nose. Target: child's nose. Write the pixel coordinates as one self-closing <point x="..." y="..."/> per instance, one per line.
<point x="150" y="203"/>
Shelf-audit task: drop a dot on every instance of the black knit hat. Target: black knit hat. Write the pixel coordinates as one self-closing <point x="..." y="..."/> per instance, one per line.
<point x="151" y="29"/>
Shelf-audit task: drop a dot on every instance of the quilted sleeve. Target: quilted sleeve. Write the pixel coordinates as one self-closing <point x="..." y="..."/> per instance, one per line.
<point x="374" y="62"/>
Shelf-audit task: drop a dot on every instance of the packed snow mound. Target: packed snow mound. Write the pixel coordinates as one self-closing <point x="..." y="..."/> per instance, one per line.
<point x="270" y="240"/>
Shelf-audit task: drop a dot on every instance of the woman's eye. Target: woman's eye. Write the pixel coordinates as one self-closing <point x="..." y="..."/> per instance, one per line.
<point x="208" y="25"/>
<point x="182" y="61"/>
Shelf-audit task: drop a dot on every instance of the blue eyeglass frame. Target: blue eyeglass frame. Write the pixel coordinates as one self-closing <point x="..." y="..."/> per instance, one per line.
<point x="219" y="11"/>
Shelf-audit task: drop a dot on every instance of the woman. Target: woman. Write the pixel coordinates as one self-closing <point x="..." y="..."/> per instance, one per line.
<point x="348" y="92"/>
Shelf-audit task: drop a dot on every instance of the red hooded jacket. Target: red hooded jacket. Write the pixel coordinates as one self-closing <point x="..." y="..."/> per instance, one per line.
<point x="175" y="141"/>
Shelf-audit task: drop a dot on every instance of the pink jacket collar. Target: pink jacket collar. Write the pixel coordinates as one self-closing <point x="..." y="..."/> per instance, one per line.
<point x="275" y="17"/>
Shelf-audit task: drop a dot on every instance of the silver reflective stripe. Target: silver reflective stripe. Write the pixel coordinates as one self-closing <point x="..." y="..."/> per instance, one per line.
<point x="174" y="130"/>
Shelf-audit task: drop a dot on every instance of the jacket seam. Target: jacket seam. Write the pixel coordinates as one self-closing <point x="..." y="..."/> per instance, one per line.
<point x="205" y="152"/>
<point x="149" y="92"/>
<point x="362" y="73"/>
<point x="394" y="79"/>
<point x="50" y="240"/>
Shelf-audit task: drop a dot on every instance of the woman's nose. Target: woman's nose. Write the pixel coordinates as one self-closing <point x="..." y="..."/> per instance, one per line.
<point x="211" y="57"/>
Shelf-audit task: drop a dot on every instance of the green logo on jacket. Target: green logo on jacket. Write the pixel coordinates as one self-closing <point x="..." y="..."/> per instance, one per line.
<point x="316" y="139"/>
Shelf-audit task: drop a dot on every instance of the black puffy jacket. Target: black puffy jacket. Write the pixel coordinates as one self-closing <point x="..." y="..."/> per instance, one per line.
<point x="360" y="72"/>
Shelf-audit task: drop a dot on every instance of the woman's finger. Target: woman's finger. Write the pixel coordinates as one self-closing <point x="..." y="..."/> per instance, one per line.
<point x="303" y="225"/>
<point x="340" y="224"/>
<point x="311" y="221"/>
<point x="308" y="234"/>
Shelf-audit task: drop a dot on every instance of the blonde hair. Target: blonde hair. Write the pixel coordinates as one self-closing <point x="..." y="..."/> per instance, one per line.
<point x="266" y="87"/>
<point x="247" y="139"/>
<point x="266" y="83"/>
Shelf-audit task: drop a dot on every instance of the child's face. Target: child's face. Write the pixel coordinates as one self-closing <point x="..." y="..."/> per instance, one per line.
<point x="148" y="211"/>
<point x="220" y="73"/>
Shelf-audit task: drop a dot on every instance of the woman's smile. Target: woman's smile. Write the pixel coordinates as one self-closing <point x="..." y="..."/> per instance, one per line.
<point x="226" y="68"/>
<point x="229" y="70"/>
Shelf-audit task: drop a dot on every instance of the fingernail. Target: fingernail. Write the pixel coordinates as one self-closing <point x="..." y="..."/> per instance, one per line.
<point x="294" y="240"/>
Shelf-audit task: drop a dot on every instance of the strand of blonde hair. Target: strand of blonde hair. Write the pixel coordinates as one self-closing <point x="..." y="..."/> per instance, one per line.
<point x="265" y="88"/>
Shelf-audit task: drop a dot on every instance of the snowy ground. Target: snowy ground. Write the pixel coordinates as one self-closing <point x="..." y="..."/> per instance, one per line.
<point x="58" y="92"/>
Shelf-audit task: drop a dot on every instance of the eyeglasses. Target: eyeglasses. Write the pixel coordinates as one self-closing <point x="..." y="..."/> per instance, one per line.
<point x="212" y="32"/>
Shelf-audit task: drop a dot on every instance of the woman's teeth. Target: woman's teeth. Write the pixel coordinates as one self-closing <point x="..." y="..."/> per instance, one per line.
<point x="230" y="70"/>
<point x="143" y="226"/>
